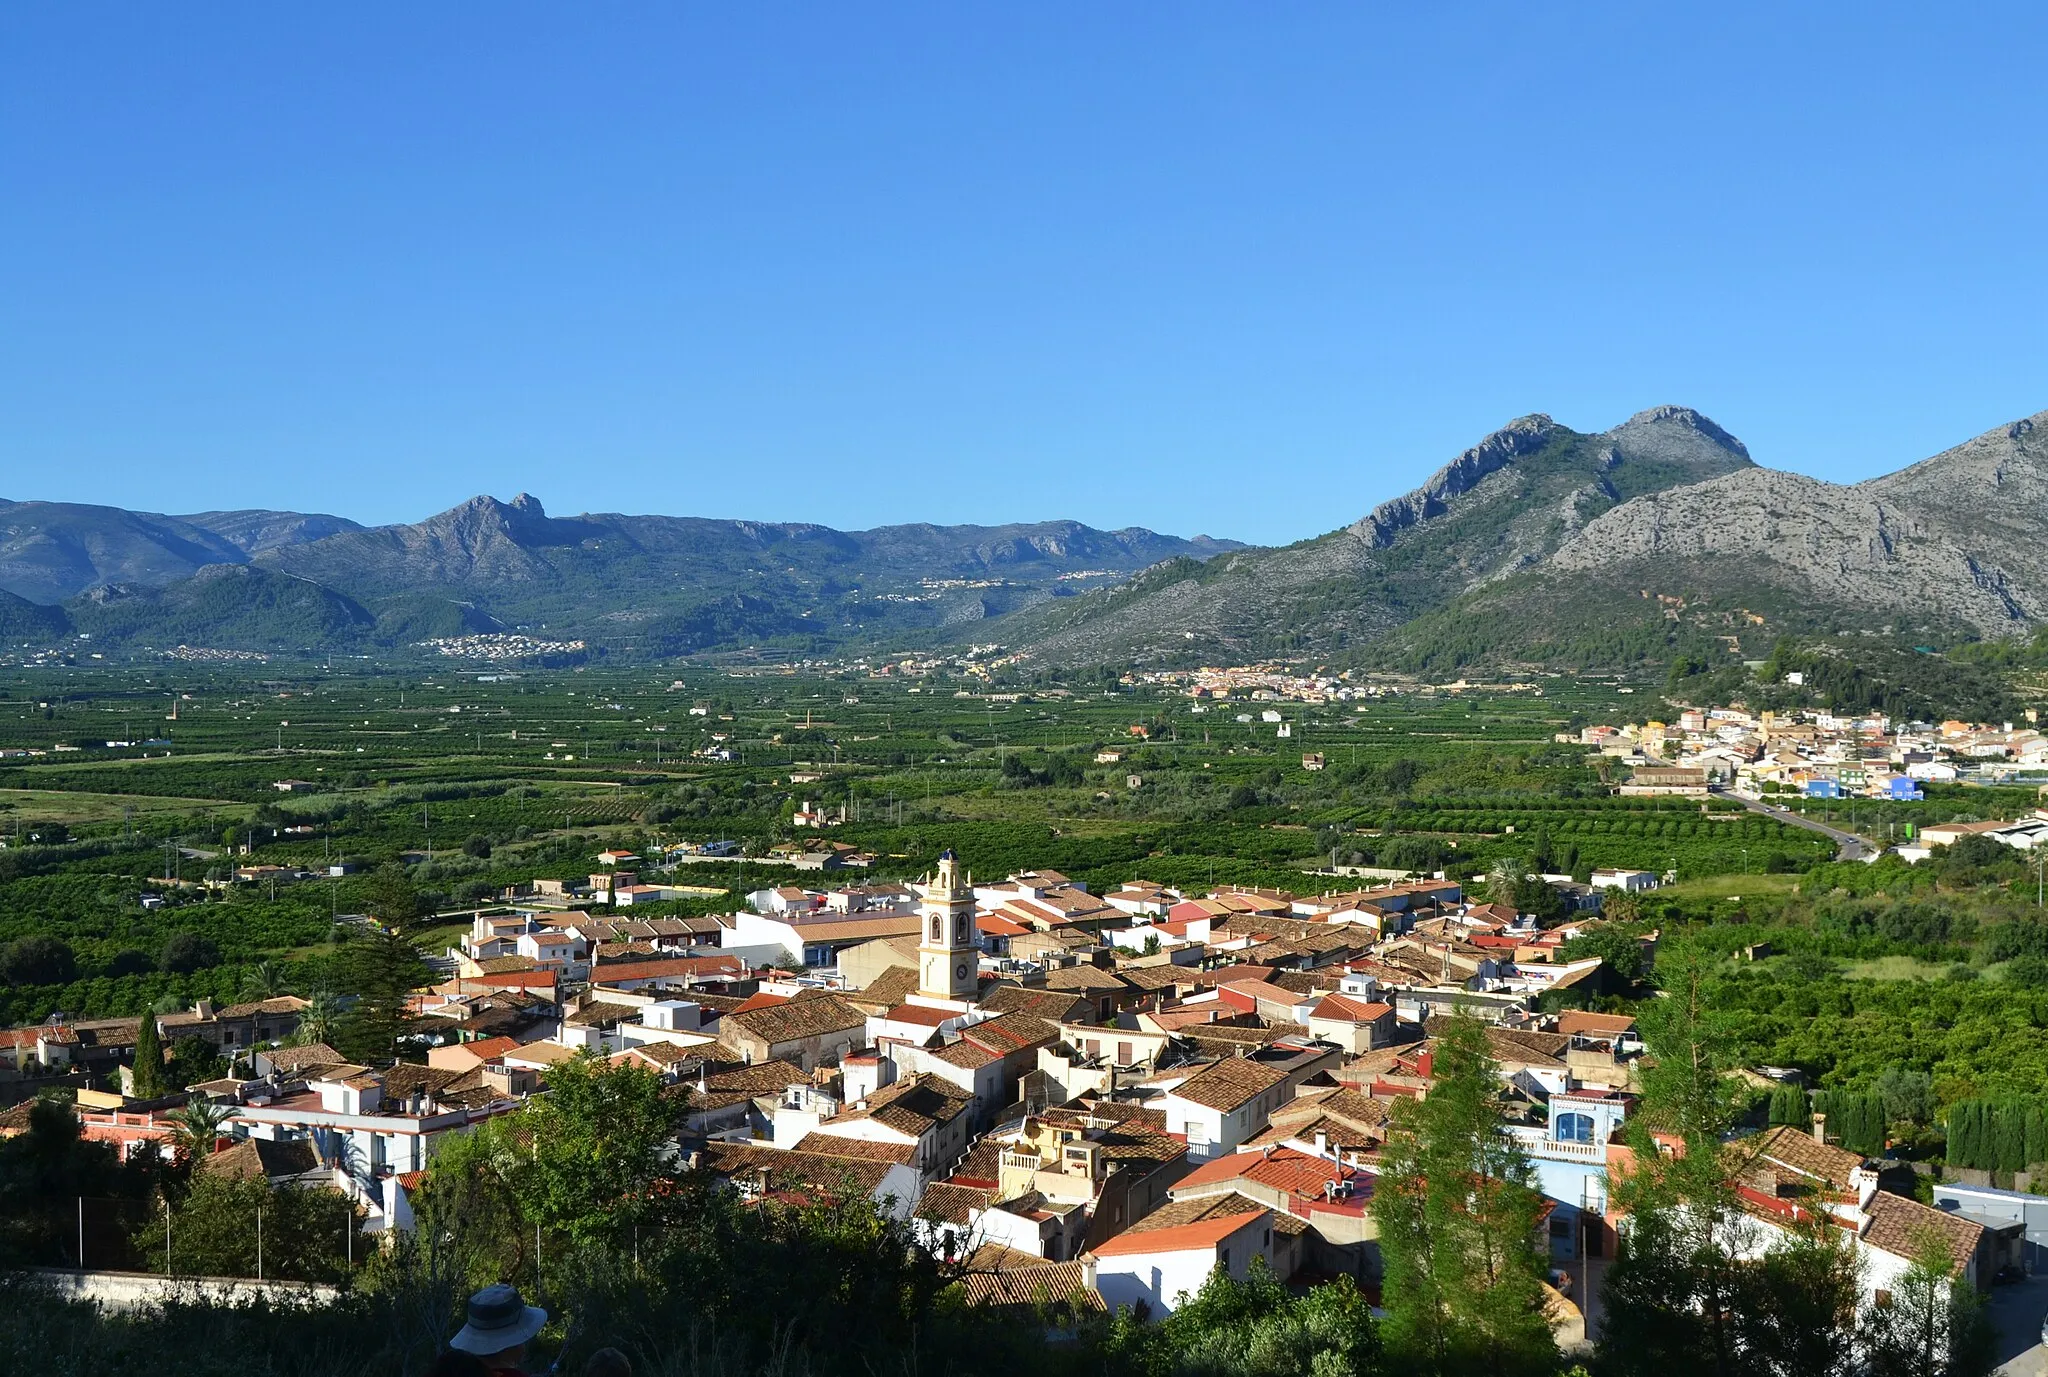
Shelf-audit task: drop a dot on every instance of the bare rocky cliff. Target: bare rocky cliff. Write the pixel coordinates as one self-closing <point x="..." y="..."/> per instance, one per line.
<point x="1957" y="536"/>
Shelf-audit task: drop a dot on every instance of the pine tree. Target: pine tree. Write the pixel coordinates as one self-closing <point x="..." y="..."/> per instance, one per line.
<point x="381" y="970"/>
<point x="1463" y="1280"/>
<point x="149" y="1060"/>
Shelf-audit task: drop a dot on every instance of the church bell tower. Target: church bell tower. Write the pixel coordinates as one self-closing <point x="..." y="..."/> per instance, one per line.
<point x="948" y="956"/>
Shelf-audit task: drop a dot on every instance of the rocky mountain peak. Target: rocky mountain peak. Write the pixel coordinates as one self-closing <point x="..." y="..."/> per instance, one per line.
<point x="1521" y="436"/>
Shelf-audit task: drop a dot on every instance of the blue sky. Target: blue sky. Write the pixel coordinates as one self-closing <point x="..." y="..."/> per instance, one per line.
<point x="1244" y="270"/>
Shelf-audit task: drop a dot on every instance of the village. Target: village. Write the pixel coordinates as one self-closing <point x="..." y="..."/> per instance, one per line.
<point x="1817" y="755"/>
<point x="1109" y="1096"/>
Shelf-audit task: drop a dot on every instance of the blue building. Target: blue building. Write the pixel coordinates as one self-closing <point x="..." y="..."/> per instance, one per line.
<point x="1823" y="788"/>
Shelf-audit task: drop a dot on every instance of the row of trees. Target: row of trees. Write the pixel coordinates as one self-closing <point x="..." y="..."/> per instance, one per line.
<point x="2008" y="1134"/>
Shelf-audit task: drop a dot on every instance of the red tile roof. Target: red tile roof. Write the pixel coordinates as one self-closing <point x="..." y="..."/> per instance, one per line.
<point x="1202" y="1235"/>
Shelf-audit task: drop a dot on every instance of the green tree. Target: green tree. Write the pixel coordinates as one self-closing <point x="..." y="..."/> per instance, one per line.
<point x="318" y="1020"/>
<point x="598" y="1143"/>
<point x="215" y="1226"/>
<point x="149" y="1060"/>
<point x="391" y="896"/>
<point x="380" y="971"/>
<point x="1254" y="1326"/>
<point x="198" y="1127"/>
<point x="1616" y="947"/>
<point x="1935" y="1325"/>
<point x="1672" y="1288"/>
<point x="1457" y="1217"/>
<point x="1788" y="1106"/>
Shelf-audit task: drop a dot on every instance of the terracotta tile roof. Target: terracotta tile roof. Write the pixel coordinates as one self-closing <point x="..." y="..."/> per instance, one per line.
<point x="828" y="1144"/>
<point x="1230" y="1083"/>
<point x="1282" y="1169"/>
<point x="1011" y="1033"/>
<point x="1347" y="1009"/>
<point x="946" y="1203"/>
<point x="859" y="927"/>
<point x="296" y="1060"/>
<point x="55" y="1033"/>
<point x="1898" y="1225"/>
<point x="1786" y="1146"/>
<point x="1580" y="1023"/>
<point x="762" y="1078"/>
<point x="670" y="968"/>
<point x="1201" y="1235"/>
<point x="1228" y="1039"/>
<point x="807" y="1017"/>
<point x="801" y="1169"/>
<point x="923" y="1015"/>
<point x="1053" y="1005"/>
<point x="255" y="1158"/>
<point x="1164" y="976"/>
<point x="281" y="1004"/>
<point x="1048" y="1284"/>
<point x="15" y="1118"/>
<point x="918" y="1105"/>
<point x="1075" y="978"/>
<point x="599" y="1012"/>
<point x="507" y="965"/>
<point x="978" y="1167"/>
<point x="894" y="985"/>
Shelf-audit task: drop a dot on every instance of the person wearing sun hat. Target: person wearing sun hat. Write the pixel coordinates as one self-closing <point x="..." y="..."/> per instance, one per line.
<point x="500" y="1326"/>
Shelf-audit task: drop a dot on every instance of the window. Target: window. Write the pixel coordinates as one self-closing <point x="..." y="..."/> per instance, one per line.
<point x="1223" y="1257"/>
<point x="938" y="929"/>
<point x="1560" y="1228"/>
<point x="1572" y="1128"/>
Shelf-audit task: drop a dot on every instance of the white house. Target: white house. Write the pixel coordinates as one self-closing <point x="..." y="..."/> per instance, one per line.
<point x="1156" y="1268"/>
<point x="1224" y="1104"/>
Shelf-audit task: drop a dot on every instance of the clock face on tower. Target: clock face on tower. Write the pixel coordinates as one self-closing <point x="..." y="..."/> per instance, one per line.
<point x="961" y="970"/>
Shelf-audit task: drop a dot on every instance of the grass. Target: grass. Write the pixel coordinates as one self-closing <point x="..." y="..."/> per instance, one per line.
<point x="1895" y="968"/>
<point x="1721" y="888"/>
<point x="63" y="805"/>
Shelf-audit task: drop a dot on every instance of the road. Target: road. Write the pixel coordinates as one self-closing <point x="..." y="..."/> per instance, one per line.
<point x="2016" y="1311"/>
<point x="1848" y="846"/>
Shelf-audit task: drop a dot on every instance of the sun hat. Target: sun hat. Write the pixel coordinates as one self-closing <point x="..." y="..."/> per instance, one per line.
<point x="499" y="1318"/>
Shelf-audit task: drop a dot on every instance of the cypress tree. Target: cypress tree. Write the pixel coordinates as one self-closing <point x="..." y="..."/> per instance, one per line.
<point x="1966" y="1133"/>
<point x="149" y="1059"/>
<point x="2012" y="1136"/>
<point x="2037" y="1131"/>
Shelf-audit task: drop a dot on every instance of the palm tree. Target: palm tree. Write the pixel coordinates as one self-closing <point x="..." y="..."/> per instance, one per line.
<point x="197" y="1127"/>
<point x="264" y="980"/>
<point x="317" y="1021"/>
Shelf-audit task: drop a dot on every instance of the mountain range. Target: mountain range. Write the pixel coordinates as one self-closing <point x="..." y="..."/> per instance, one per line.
<point x="1540" y="545"/>
<point x="642" y="584"/>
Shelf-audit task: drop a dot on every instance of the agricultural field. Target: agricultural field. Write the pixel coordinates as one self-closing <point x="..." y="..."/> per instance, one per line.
<point x="128" y="795"/>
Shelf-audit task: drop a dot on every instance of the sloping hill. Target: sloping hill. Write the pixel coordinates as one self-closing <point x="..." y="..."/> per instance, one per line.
<point x="682" y="583"/>
<point x="50" y="551"/>
<point x="1504" y="505"/>
<point x="30" y="623"/>
<point x="254" y="531"/>
<point x="225" y="606"/>
<point x="1952" y="546"/>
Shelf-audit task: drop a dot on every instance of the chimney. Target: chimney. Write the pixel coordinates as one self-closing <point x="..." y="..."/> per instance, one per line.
<point x="1820" y="1128"/>
<point x="1322" y="1143"/>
